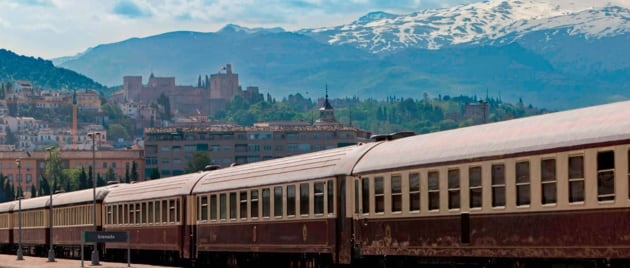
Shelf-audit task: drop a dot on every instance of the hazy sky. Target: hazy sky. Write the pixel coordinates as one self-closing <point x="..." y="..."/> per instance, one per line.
<point x="55" y="28"/>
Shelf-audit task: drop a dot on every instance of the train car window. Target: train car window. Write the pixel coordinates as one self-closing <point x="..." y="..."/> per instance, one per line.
<point x="213" y="207"/>
<point x="523" y="194"/>
<point x="365" y="195"/>
<point x="434" y="190"/>
<point x="158" y="210"/>
<point x="222" y="206"/>
<point x="548" y="180"/>
<point x="110" y="215"/>
<point x="164" y="213"/>
<point x="143" y="212"/>
<point x="356" y="196"/>
<point x="173" y="211"/>
<point x="139" y="215"/>
<point x="253" y="211"/>
<point x="277" y="201"/>
<point x="318" y="198"/>
<point x="266" y="202"/>
<point x="474" y="177"/>
<point x="453" y="189"/>
<point x="576" y="178"/>
<point x="131" y="214"/>
<point x="330" y="195"/>
<point x="126" y="213"/>
<point x="121" y="215"/>
<point x="203" y="208"/>
<point x="114" y="214"/>
<point x="291" y="200"/>
<point x="233" y="207"/>
<point x="414" y="192"/>
<point x="606" y="176"/>
<point x="379" y="195"/>
<point x="396" y="187"/>
<point x="150" y="212"/>
<point x="304" y="200"/>
<point x="498" y="185"/>
<point x="136" y="213"/>
<point x="243" y="203"/>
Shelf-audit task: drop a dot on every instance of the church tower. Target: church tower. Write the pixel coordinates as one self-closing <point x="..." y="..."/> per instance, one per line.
<point x="326" y="113"/>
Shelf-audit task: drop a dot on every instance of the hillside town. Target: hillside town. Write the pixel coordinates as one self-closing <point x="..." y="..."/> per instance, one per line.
<point x="172" y="130"/>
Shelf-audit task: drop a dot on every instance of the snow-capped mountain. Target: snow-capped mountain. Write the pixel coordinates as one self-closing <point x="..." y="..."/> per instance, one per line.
<point x="492" y="22"/>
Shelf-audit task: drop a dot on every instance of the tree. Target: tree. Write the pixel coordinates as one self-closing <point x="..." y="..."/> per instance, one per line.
<point x="33" y="191"/>
<point x="83" y="180"/>
<point x="134" y="171"/>
<point x="54" y="170"/>
<point x="117" y="131"/>
<point x="198" y="161"/>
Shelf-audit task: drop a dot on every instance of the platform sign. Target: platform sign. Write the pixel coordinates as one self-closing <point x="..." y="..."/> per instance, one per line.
<point x="105" y="237"/>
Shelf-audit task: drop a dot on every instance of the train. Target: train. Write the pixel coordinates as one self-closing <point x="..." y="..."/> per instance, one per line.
<point x="550" y="190"/>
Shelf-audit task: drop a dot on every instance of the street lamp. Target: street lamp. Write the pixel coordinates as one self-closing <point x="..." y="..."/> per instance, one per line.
<point x="51" y="251"/>
<point x="18" y="162"/>
<point x="93" y="136"/>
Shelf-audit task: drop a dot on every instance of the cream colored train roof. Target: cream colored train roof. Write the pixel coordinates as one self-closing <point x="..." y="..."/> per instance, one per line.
<point x="596" y="124"/>
<point x="321" y="164"/>
<point x="158" y="188"/>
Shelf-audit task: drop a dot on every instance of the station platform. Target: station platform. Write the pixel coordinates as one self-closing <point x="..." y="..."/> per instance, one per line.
<point x="10" y="261"/>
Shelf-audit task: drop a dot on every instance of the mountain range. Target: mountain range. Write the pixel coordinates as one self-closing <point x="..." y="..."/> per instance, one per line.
<point x="555" y="54"/>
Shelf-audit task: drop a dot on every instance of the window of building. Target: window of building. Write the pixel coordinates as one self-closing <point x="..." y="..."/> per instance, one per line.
<point x="266" y="202"/>
<point x="253" y="211"/>
<point x="453" y="189"/>
<point x="523" y="194"/>
<point x="277" y="201"/>
<point x="434" y="190"/>
<point x="548" y="179"/>
<point x="414" y="192"/>
<point x="498" y="185"/>
<point x="318" y="198"/>
<point x="396" y="188"/>
<point x="304" y="201"/>
<point x="291" y="200"/>
<point x="606" y="176"/>
<point x="474" y="177"/>
<point x="379" y="195"/>
<point x="576" y="178"/>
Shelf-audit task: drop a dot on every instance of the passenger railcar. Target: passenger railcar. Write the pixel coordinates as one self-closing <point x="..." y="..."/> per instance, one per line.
<point x="72" y="216"/>
<point x="6" y="225"/>
<point x="288" y="211"/>
<point x="542" y="189"/>
<point x="155" y="214"/>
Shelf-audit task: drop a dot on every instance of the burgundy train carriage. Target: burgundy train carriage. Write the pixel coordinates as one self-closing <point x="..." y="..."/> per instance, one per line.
<point x="286" y="211"/>
<point x="543" y="189"/>
<point x="34" y="224"/>
<point x="6" y="225"/>
<point x="73" y="215"/>
<point x="154" y="214"/>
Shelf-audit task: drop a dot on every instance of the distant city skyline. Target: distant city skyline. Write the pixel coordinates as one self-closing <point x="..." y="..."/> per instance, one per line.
<point x="57" y="28"/>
